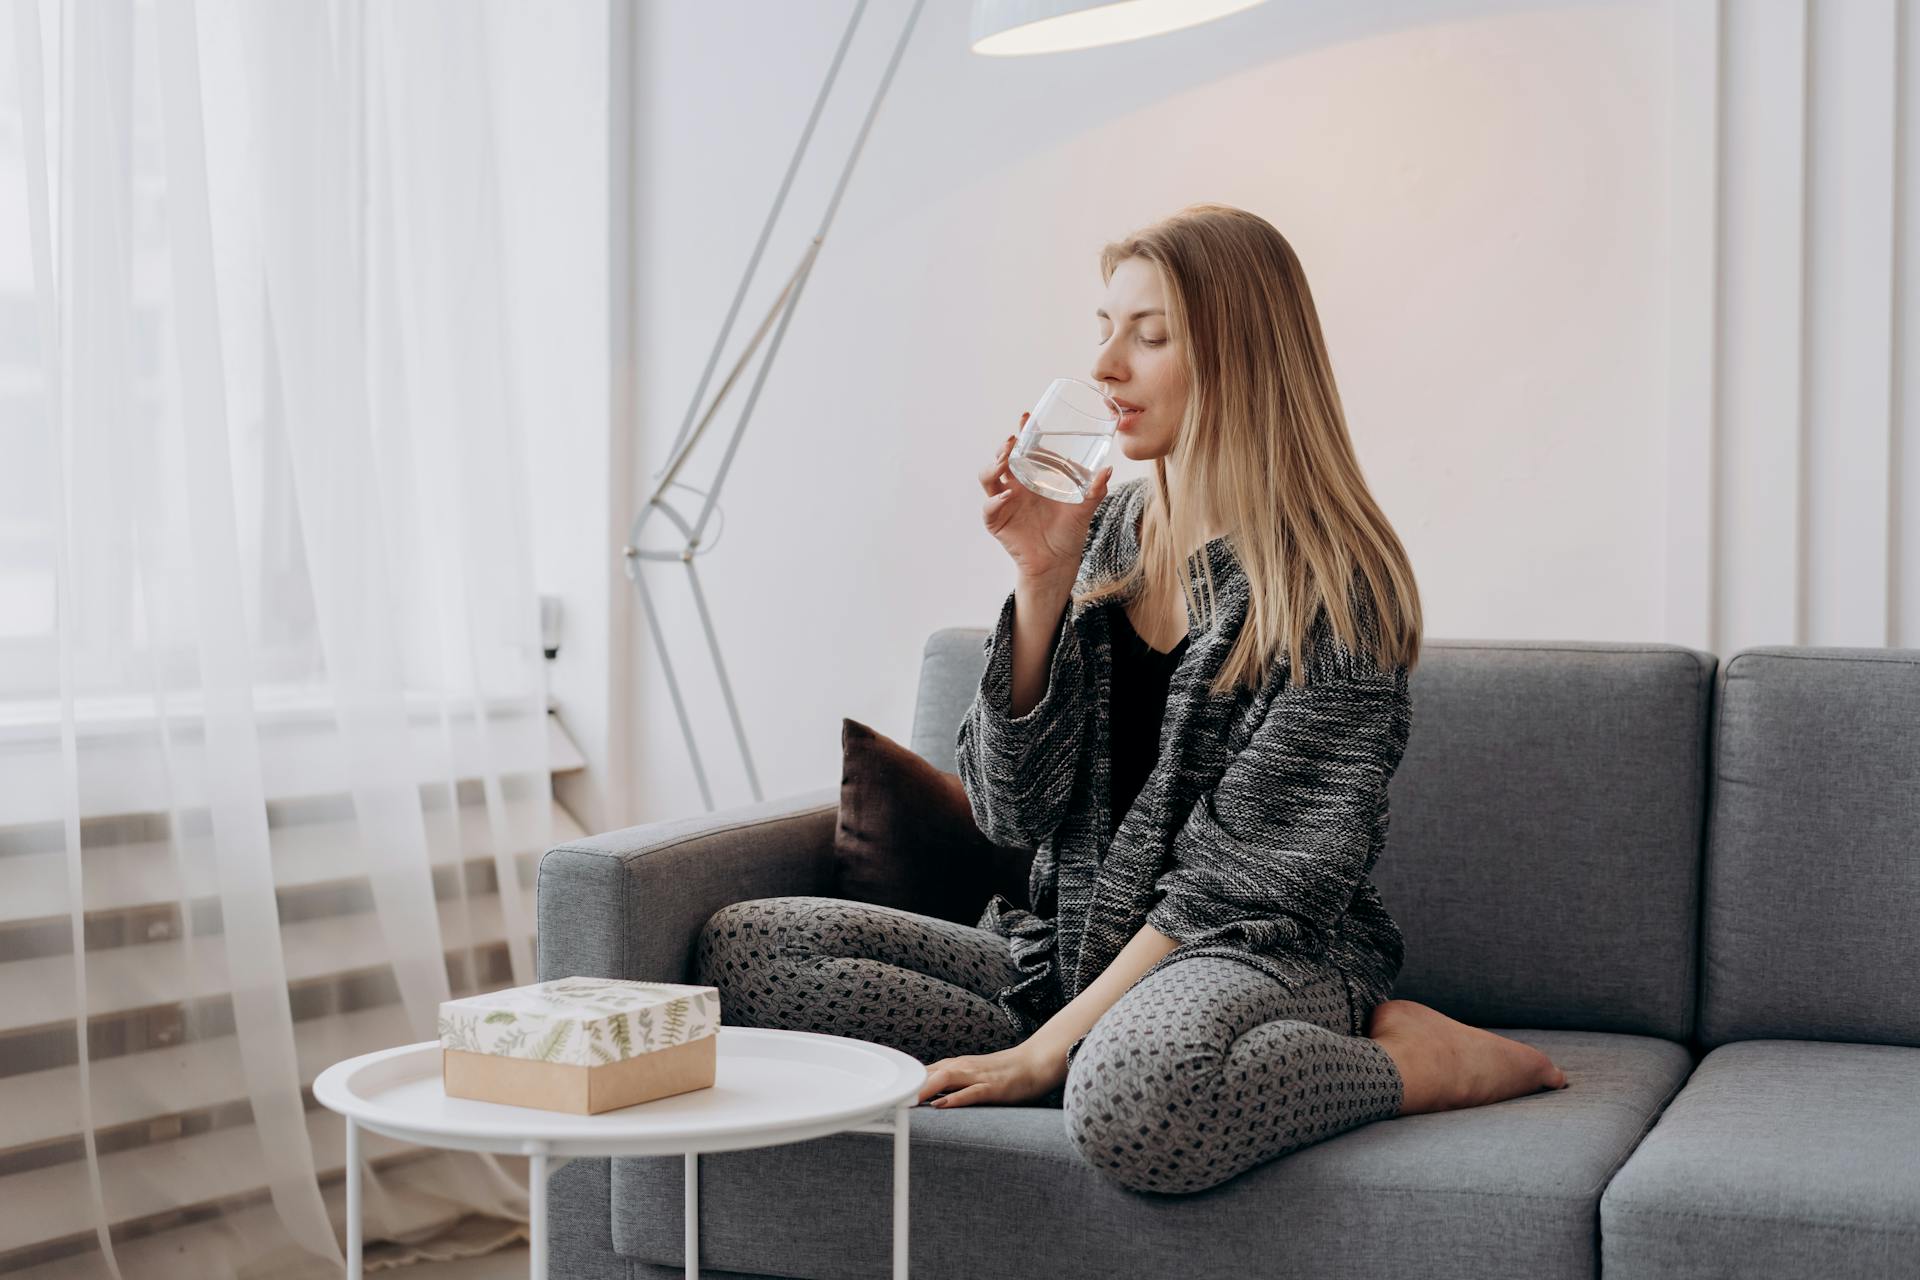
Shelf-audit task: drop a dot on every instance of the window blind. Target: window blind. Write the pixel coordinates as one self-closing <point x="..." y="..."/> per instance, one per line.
<point x="170" y="1108"/>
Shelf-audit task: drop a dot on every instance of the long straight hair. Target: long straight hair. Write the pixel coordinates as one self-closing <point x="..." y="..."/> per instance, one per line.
<point x="1263" y="452"/>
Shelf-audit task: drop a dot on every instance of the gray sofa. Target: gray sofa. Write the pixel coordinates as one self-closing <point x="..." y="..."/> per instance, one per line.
<point x="1695" y="885"/>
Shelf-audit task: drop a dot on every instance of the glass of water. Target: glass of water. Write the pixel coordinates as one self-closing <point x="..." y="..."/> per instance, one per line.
<point x="1065" y="440"/>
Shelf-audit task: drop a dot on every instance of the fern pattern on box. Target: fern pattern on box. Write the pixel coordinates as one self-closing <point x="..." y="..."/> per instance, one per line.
<point x="549" y="1047"/>
<point x="614" y="1019"/>
<point x="458" y="1033"/>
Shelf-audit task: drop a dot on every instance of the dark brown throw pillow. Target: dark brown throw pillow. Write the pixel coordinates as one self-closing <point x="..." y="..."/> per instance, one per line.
<point x="906" y="836"/>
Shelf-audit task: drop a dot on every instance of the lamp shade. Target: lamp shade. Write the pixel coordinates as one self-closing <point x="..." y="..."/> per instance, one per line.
<point x="1009" y="28"/>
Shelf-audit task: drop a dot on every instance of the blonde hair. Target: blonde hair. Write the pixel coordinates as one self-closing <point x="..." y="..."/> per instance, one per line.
<point x="1263" y="453"/>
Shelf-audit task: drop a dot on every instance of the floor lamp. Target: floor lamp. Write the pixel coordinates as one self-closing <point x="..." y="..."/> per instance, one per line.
<point x="999" y="28"/>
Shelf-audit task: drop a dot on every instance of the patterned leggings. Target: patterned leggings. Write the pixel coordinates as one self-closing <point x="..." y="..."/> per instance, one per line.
<point x="1197" y="1073"/>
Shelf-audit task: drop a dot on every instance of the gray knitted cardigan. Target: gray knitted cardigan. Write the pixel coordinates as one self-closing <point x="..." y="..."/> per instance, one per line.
<point x="1252" y="839"/>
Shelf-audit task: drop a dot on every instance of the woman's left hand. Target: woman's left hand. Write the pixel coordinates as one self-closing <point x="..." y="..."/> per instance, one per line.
<point x="1011" y="1076"/>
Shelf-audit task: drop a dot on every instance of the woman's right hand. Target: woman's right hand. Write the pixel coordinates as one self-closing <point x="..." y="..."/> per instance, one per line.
<point x="1044" y="537"/>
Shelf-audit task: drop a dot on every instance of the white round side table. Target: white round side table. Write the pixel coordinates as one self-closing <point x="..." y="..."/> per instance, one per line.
<point x="770" y="1088"/>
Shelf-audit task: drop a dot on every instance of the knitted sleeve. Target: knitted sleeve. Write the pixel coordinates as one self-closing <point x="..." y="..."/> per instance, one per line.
<point x="1019" y="771"/>
<point x="1271" y="857"/>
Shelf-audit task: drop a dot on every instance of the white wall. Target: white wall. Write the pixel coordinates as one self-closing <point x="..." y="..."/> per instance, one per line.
<point x="1618" y="295"/>
<point x="551" y="62"/>
<point x="1478" y="192"/>
<point x="1800" y="455"/>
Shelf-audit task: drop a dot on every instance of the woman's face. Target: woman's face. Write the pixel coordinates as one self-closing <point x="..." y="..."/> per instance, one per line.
<point x="1140" y="361"/>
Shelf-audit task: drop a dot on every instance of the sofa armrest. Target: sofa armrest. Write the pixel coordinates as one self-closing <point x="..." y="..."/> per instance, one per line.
<point x="630" y="903"/>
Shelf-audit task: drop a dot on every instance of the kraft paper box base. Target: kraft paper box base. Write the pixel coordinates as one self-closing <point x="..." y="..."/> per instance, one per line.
<point x="562" y="1086"/>
<point x="580" y="1045"/>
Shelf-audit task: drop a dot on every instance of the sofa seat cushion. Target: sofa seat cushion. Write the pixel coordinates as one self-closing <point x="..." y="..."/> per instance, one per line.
<point x="1778" y="1158"/>
<point x="1506" y="1189"/>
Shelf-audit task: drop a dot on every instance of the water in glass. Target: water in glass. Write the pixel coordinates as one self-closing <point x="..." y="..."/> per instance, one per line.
<point x="1065" y="440"/>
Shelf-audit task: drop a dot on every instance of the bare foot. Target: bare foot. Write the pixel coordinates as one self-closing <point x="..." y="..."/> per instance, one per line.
<point x="1447" y="1065"/>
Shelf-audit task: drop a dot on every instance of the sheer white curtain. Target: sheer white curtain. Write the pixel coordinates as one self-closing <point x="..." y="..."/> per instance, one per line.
<point x="274" y="750"/>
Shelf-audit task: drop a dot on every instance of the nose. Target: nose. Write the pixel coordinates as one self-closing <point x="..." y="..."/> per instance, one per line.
<point x="1108" y="368"/>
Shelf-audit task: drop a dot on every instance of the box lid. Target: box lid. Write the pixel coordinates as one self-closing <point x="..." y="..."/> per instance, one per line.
<point x="580" y="1021"/>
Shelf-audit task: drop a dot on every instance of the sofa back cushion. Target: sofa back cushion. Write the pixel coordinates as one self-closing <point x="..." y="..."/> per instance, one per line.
<point x="1547" y="823"/>
<point x="951" y="665"/>
<point x="1812" y="897"/>
<point x="1545" y="832"/>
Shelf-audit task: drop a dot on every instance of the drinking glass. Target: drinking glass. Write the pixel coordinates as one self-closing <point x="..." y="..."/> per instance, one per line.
<point x="1065" y="440"/>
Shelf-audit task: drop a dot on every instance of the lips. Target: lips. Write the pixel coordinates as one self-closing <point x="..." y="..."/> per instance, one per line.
<point x="1129" y="414"/>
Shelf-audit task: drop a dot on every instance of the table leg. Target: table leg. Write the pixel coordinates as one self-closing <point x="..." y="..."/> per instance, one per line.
<point x="692" y="1247"/>
<point x="900" y="1192"/>
<point x="537" y="1203"/>
<point x="353" y="1200"/>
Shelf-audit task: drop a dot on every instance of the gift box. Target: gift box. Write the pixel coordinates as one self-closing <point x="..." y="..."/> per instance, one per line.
<point x="582" y="1045"/>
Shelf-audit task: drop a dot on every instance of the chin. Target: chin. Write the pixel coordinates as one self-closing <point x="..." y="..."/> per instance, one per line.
<point x="1138" y="449"/>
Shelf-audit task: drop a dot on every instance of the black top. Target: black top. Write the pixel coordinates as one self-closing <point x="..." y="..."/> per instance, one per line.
<point x="1141" y="674"/>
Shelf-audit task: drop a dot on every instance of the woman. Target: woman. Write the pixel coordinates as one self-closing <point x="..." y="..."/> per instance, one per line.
<point x="1194" y="698"/>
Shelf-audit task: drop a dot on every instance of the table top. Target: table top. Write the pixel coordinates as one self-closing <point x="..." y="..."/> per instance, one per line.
<point x="770" y="1087"/>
